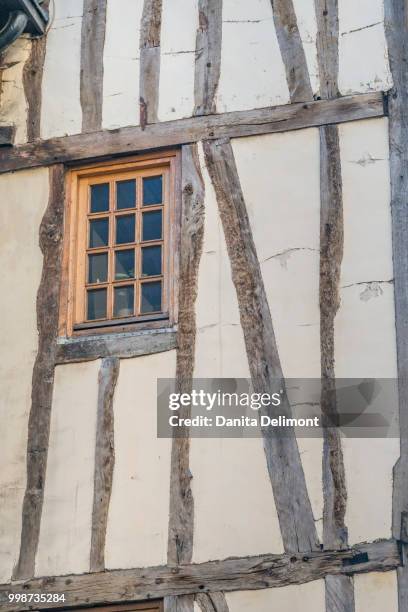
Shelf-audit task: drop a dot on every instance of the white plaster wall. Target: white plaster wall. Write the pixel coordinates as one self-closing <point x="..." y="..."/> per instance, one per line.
<point x="252" y="71"/>
<point x="65" y="534"/>
<point x="178" y="41"/>
<point x="376" y="592"/>
<point x="298" y="598"/>
<point x="307" y="24"/>
<point x="363" y="55"/>
<point x="20" y="218"/>
<point x="13" y="103"/>
<point x="234" y="507"/>
<point x="364" y="326"/>
<point x="139" y="508"/>
<point x="284" y="212"/>
<point x="61" y="105"/>
<point x="121" y="63"/>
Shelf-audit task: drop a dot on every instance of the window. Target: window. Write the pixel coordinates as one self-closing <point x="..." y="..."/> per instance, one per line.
<point x="120" y="246"/>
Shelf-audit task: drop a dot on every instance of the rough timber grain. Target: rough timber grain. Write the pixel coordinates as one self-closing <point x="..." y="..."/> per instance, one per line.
<point x="212" y="602"/>
<point x="51" y="235"/>
<point x="180" y="603"/>
<point x="208" y="56"/>
<point x="282" y="453"/>
<point x="124" y="346"/>
<point x="291" y="48"/>
<point x="150" y="61"/>
<point x="339" y="591"/>
<point x="396" y="27"/>
<point x="107" y="144"/>
<point x="32" y="82"/>
<point x="104" y="461"/>
<point x="92" y="44"/>
<point x="181" y="512"/>
<point x="327" y="17"/>
<point x="235" y="574"/>
<point x="331" y="255"/>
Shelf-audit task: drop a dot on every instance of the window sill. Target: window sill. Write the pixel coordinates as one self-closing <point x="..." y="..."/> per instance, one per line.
<point x="123" y="345"/>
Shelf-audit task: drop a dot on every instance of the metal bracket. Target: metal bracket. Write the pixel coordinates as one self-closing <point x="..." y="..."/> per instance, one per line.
<point x="21" y="16"/>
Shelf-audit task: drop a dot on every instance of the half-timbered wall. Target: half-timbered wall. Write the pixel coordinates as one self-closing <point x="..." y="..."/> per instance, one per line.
<point x="86" y="486"/>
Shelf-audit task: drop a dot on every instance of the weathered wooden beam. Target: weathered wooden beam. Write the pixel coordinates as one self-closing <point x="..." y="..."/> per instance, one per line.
<point x="339" y="594"/>
<point x="107" y="144"/>
<point x="339" y="590"/>
<point x="212" y="602"/>
<point x="292" y="52"/>
<point x="235" y="574"/>
<point x="208" y="56"/>
<point x="92" y="45"/>
<point x="181" y="512"/>
<point x="7" y="135"/>
<point x="89" y="348"/>
<point x="327" y="16"/>
<point x="32" y="82"/>
<point x="150" y="61"/>
<point x="331" y="255"/>
<point x="282" y="454"/>
<point x="104" y="461"/>
<point x="396" y="27"/>
<point x="51" y="237"/>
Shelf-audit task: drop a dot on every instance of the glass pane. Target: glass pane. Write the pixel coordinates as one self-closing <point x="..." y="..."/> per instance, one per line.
<point x="126" y="194"/>
<point x="96" y="304"/>
<point x="99" y="198"/>
<point x="98" y="268"/>
<point x="98" y="233"/>
<point x="152" y="225"/>
<point x="152" y="190"/>
<point x="151" y="261"/>
<point x="124" y="264"/>
<point x="151" y="297"/>
<point x="125" y="229"/>
<point x="123" y="302"/>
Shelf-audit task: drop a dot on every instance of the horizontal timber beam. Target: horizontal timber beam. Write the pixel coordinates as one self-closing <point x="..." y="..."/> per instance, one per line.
<point x="234" y="574"/>
<point x="107" y="144"/>
<point x="123" y="346"/>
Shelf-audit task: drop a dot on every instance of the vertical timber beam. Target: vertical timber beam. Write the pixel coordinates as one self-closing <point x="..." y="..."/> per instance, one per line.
<point x="212" y="602"/>
<point x="92" y="45"/>
<point x="150" y="61"/>
<point x="339" y="589"/>
<point x="396" y="27"/>
<point x="208" y="56"/>
<point x="51" y="237"/>
<point x="32" y="82"/>
<point x="282" y="453"/>
<point x="291" y="48"/>
<point x="181" y="511"/>
<point x="104" y="460"/>
<point x="327" y="16"/>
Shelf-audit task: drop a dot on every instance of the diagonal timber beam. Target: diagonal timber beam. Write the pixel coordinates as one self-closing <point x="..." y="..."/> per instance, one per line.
<point x="282" y="453"/>
<point x="292" y="51"/>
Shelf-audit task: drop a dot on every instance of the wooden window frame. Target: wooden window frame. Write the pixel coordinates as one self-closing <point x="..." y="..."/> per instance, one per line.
<point x="72" y="301"/>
